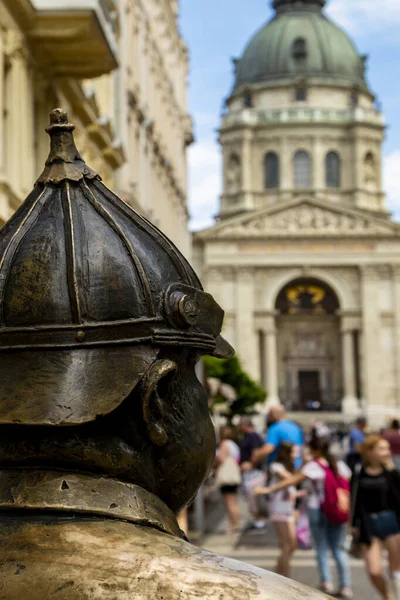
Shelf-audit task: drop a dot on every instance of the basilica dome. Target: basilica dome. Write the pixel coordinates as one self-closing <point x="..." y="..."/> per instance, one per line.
<point x="300" y="41"/>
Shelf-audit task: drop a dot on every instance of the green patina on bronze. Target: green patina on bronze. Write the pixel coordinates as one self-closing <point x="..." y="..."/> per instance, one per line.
<point x="329" y="53"/>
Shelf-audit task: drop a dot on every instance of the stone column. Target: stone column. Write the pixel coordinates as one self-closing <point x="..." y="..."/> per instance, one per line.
<point x="213" y="283"/>
<point x="357" y="164"/>
<point x="285" y="166"/>
<point x="371" y="339"/>
<point x="271" y="361"/>
<point x="246" y="335"/>
<point x="247" y="187"/>
<point x="19" y="124"/>
<point x="2" y="76"/>
<point x="26" y="107"/>
<point x="350" y="404"/>
<point x="396" y="290"/>
<point x="318" y="166"/>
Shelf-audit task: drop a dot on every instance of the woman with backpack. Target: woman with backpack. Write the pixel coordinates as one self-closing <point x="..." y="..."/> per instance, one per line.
<point x="376" y="513"/>
<point x="328" y="506"/>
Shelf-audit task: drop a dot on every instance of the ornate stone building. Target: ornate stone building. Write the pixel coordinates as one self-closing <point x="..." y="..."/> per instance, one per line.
<point x="156" y="128"/>
<point x="304" y="256"/>
<point x="119" y="67"/>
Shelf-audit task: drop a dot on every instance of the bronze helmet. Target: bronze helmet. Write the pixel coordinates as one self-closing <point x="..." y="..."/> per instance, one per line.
<point x="89" y="290"/>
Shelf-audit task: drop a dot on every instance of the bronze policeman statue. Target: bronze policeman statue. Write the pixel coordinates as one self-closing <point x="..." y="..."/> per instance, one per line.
<point x="104" y="427"/>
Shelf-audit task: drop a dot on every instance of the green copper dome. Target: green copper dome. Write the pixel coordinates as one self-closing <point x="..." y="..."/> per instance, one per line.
<point x="300" y="42"/>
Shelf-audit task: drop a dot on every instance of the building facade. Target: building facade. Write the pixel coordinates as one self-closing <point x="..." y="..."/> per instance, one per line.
<point x="119" y="67"/>
<point x="156" y="128"/>
<point x="304" y="255"/>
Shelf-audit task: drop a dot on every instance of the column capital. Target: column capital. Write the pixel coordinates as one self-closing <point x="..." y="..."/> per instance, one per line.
<point x="349" y="373"/>
<point x="247" y="135"/>
<point x="350" y="322"/>
<point x="370" y="272"/>
<point x="346" y="330"/>
<point x="213" y="273"/>
<point x="396" y="273"/>
<point x="267" y="324"/>
<point x="226" y="272"/>
<point x="245" y="273"/>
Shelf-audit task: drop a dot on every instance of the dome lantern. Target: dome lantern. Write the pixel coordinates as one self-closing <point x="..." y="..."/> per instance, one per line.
<point x="287" y="5"/>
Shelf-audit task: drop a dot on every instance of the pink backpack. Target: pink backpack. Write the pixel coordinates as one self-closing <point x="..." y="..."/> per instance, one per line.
<point x="336" y="504"/>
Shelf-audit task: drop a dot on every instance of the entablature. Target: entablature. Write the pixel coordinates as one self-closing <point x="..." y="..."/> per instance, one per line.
<point x="305" y="115"/>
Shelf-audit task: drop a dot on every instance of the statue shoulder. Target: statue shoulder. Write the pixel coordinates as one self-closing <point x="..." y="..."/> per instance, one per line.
<point x="243" y="580"/>
<point x="115" y="560"/>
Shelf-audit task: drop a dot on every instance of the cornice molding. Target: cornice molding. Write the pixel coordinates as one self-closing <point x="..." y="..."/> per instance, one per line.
<point x="58" y="38"/>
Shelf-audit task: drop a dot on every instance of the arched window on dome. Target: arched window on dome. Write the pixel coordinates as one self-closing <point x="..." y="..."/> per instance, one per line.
<point x="301" y="94"/>
<point x="354" y="99"/>
<point x="271" y="170"/>
<point x="302" y="170"/>
<point x="248" y="101"/>
<point x="332" y="170"/>
<point x="299" y="48"/>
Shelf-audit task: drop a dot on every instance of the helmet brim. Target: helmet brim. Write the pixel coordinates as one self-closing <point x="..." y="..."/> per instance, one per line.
<point x="223" y="349"/>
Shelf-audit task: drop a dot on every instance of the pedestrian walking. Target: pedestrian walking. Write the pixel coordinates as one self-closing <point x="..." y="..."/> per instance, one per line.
<point x="252" y="475"/>
<point x="356" y="438"/>
<point x="376" y="497"/>
<point x="328" y="505"/>
<point x="279" y="430"/>
<point x="392" y="435"/>
<point x="228" y="475"/>
<point x="282" y="506"/>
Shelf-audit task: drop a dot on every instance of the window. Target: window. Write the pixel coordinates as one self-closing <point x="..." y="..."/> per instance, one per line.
<point x="332" y="170"/>
<point x="271" y="170"/>
<point x="302" y="170"/>
<point x="307" y="296"/>
<point x="248" y="101"/>
<point x="301" y="94"/>
<point x="299" y="48"/>
<point x="354" y="99"/>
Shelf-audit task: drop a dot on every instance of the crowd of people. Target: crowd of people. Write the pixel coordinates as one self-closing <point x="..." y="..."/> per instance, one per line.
<point x="342" y="488"/>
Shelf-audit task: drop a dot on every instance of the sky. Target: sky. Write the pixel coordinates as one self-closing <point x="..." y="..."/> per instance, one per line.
<point x="218" y="30"/>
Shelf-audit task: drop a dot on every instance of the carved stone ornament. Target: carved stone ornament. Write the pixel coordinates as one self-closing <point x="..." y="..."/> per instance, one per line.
<point x="304" y="217"/>
<point x="370" y="171"/>
<point x="105" y="433"/>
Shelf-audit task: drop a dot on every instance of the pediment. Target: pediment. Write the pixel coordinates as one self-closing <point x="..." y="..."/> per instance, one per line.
<point x="303" y="218"/>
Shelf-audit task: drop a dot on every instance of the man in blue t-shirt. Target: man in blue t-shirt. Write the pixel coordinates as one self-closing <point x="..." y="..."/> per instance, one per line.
<point x="279" y="430"/>
<point x="356" y="440"/>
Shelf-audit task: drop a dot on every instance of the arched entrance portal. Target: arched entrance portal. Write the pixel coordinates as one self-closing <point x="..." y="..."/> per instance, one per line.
<point x="309" y="346"/>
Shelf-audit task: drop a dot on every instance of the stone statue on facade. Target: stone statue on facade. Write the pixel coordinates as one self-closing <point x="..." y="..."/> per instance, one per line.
<point x="104" y="427"/>
<point x="233" y="175"/>
<point x="370" y="174"/>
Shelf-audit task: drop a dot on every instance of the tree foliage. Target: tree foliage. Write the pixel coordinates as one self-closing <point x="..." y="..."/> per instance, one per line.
<point x="249" y="393"/>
